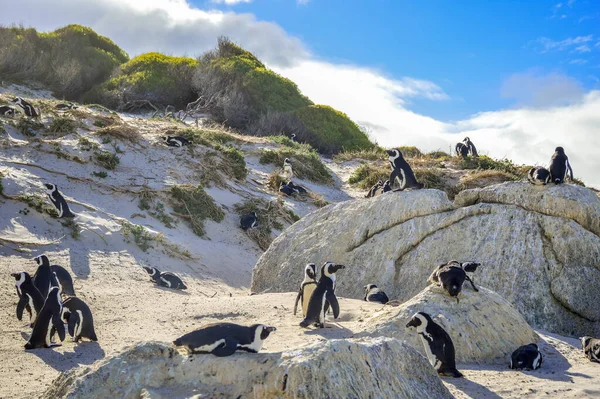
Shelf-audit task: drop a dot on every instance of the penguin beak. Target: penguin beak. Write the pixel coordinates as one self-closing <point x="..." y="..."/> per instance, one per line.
<point x="15" y="275"/>
<point x="411" y="323"/>
<point x="390" y="152"/>
<point x="270" y="329"/>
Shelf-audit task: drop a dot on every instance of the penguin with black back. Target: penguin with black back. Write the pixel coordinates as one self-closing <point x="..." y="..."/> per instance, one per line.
<point x="538" y="176"/>
<point x="470" y="147"/>
<point x="451" y="276"/>
<point x="65" y="106"/>
<point x="65" y="281"/>
<point x="307" y="287"/>
<point x="373" y="191"/>
<point x="560" y="167"/>
<point x="48" y="322"/>
<point x="175" y="141"/>
<point x="526" y="357"/>
<point x="58" y="201"/>
<point x="401" y="171"/>
<point x="438" y="345"/>
<point x="322" y="297"/>
<point x="296" y="188"/>
<point x="223" y="339"/>
<point x="165" y="279"/>
<point x="386" y="186"/>
<point x="30" y="298"/>
<point x="76" y="314"/>
<point x="374" y="294"/>
<point x="285" y="189"/>
<point x="44" y="278"/>
<point x="249" y="221"/>
<point x="5" y="110"/>
<point x="27" y="107"/>
<point x="461" y="150"/>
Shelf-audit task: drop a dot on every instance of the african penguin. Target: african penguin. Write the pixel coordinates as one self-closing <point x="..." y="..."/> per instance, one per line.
<point x="27" y="107"/>
<point x="296" y="188"/>
<point x="165" y="279"/>
<point x="249" y="221"/>
<point x="560" y="167"/>
<point x="527" y="357"/>
<point x="64" y="106"/>
<point x="285" y="189"/>
<point x="461" y="150"/>
<point x="293" y="138"/>
<point x="307" y="287"/>
<point x="77" y="315"/>
<point x="470" y="147"/>
<point x="401" y="171"/>
<point x="58" y="201"/>
<point x="451" y="276"/>
<point x="287" y="169"/>
<point x="48" y="322"/>
<point x="386" y="186"/>
<point x="538" y="176"/>
<point x="30" y="297"/>
<point x="223" y="339"/>
<point x="65" y="281"/>
<point x="6" y="110"/>
<point x="322" y="297"/>
<point x="44" y="278"/>
<point x="374" y="189"/>
<point x="437" y="343"/>
<point x="175" y="141"/>
<point x="374" y="294"/>
<point x="591" y="348"/>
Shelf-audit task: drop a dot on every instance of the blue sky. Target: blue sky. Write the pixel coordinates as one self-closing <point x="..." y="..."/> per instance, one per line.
<point x="518" y="77"/>
<point x="469" y="49"/>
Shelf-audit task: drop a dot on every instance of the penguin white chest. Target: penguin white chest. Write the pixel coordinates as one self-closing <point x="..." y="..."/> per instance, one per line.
<point x="308" y="291"/>
<point x="430" y="356"/>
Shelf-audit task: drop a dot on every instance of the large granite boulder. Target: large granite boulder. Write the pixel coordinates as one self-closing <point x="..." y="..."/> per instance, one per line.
<point x="483" y="326"/>
<point x="373" y="368"/>
<point x="539" y="248"/>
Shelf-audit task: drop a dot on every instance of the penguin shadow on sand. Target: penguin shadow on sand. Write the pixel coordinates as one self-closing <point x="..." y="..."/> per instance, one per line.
<point x="171" y="290"/>
<point x="83" y="353"/>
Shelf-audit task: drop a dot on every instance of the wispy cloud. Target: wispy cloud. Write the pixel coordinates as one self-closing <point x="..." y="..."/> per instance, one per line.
<point x="302" y="2"/>
<point x="545" y="44"/>
<point x="582" y="49"/>
<point x="231" y="2"/>
<point x="578" y="61"/>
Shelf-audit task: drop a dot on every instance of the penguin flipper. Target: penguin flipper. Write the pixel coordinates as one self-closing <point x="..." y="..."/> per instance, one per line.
<point x="472" y="284"/>
<point x="21" y="306"/>
<point x="226" y="349"/>
<point x="58" y="324"/>
<point x="298" y="298"/>
<point x="335" y="306"/>
<point x="73" y="318"/>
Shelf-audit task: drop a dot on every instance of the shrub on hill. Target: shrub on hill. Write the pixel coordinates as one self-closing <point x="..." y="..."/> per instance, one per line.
<point x="69" y="60"/>
<point x="305" y="164"/>
<point x="161" y="79"/>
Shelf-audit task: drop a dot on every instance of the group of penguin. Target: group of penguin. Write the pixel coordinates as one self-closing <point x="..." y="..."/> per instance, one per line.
<point x="42" y="297"/>
<point x="288" y="187"/>
<point x="402" y="173"/>
<point x="28" y="109"/>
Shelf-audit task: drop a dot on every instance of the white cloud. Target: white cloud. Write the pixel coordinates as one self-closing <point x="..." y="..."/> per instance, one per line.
<point x="231" y="2"/>
<point x="526" y="135"/>
<point x="578" y="61"/>
<point x="582" y="49"/>
<point x="302" y="2"/>
<point x="545" y="44"/>
<point x="533" y="88"/>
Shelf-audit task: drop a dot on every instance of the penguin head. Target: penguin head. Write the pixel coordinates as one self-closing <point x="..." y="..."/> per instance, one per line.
<point x="287" y="162"/>
<point x="369" y="287"/>
<point x="264" y="330"/>
<point x="21" y="276"/>
<point x="420" y="320"/>
<point x="585" y="341"/>
<point x="394" y="153"/>
<point x="165" y="138"/>
<point x="16" y="100"/>
<point x="380" y="183"/>
<point x="466" y="140"/>
<point x="254" y="214"/>
<point x="293" y="136"/>
<point x="470" y="266"/>
<point x="50" y="188"/>
<point x="330" y="268"/>
<point x="42" y="260"/>
<point x="559" y="150"/>
<point x="150" y="270"/>
<point x="310" y="271"/>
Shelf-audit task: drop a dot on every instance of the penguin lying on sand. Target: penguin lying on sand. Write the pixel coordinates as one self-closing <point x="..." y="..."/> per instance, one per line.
<point x="437" y="344"/>
<point x="58" y="201"/>
<point x="527" y="357"/>
<point x="65" y="106"/>
<point x="322" y="297"/>
<point x="78" y="317"/>
<point x="374" y="294"/>
<point x="401" y="171"/>
<point x="223" y="339"/>
<point x="285" y="189"/>
<point x="249" y="221"/>
<point x="296" y="188"/>
<point x="48" y="322"/>
<point x="538" y="176"/>
<point x="165" y="279"/>
<point x="307" y="287"/>
<point x="451" y="276"/>
<point x="591" y="348"/>
<point x="175" y="141"/>
<point x="6" y="110"/>
<point x="30" y="298"/>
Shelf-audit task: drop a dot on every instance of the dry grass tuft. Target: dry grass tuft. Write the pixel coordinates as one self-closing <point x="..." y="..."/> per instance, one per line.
<point x="121" y="132"/>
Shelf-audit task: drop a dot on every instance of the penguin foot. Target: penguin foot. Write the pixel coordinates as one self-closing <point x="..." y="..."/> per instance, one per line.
<point x="304" y="323"/>
<point x="450" y="373"/>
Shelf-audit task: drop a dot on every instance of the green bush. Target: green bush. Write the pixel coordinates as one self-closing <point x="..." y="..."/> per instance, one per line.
<point x="196" y="205"/>
<point x="367" y="175"/>
<point x="333" y="131"/>
<point x="305" y="164"/>
<point x="158" y="78"/>
<point x="484" y="162"/>
<point x="62" y="125"/>
<point x="107" y="159"/>
<point x="236" y="162"/>
<point x="410" y="152"/>
<point x="69" y="60"/>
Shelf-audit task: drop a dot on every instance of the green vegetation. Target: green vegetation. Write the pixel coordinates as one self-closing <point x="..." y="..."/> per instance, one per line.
<point x="483" y="178"/>
<point x="107" y="159"/>
<point x="158" y="78"/>
<point x="236" y="165"/>
<point x="72" y="225"/>
<point x="86" y="145"/>
<point x="28" y="127"/>
<point x="195" y="205"/>
<point x="141" y="236"/>
<point x="484" y="162"/>
<point x="101" y="174"/>
<point x="410" y="152"/>
<point x="374" y="154"/>
<point x="367" y="175"/>
<point x="270" y="215"/>
<point x="430" y="178"/>
<point x="305" y="164"/>
<point x="208" y="138"/>
<point x="155" y="208"/>
<point x="69" y="60"/>
<point x="62" y="125"/>
<point x="38" y="203"/>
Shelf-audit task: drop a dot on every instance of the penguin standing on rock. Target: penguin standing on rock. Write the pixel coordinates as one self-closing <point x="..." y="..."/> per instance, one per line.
<point x="249" y="221"/>
<point x="77" y="315"/>
<point x="402" y="171"/>
<point x="223" y="339"/>
<point x="58" y="201"/>
<point x="322" y="297"/>
<point x="560" y="167"/>
<point x="451" y="276"/>
<point x="374" y="294"/>
<point x="27" y="107"/>
<point x="48" y="322"/>
<point x="30" y="298"/>
<point x="527" y="357"/>
<point x="538" y="176"/>
<point x="307" y="287"/>
<point x="437" y="343"/>
<point x="175" y="141"/>
<point x="165" y="279"/>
